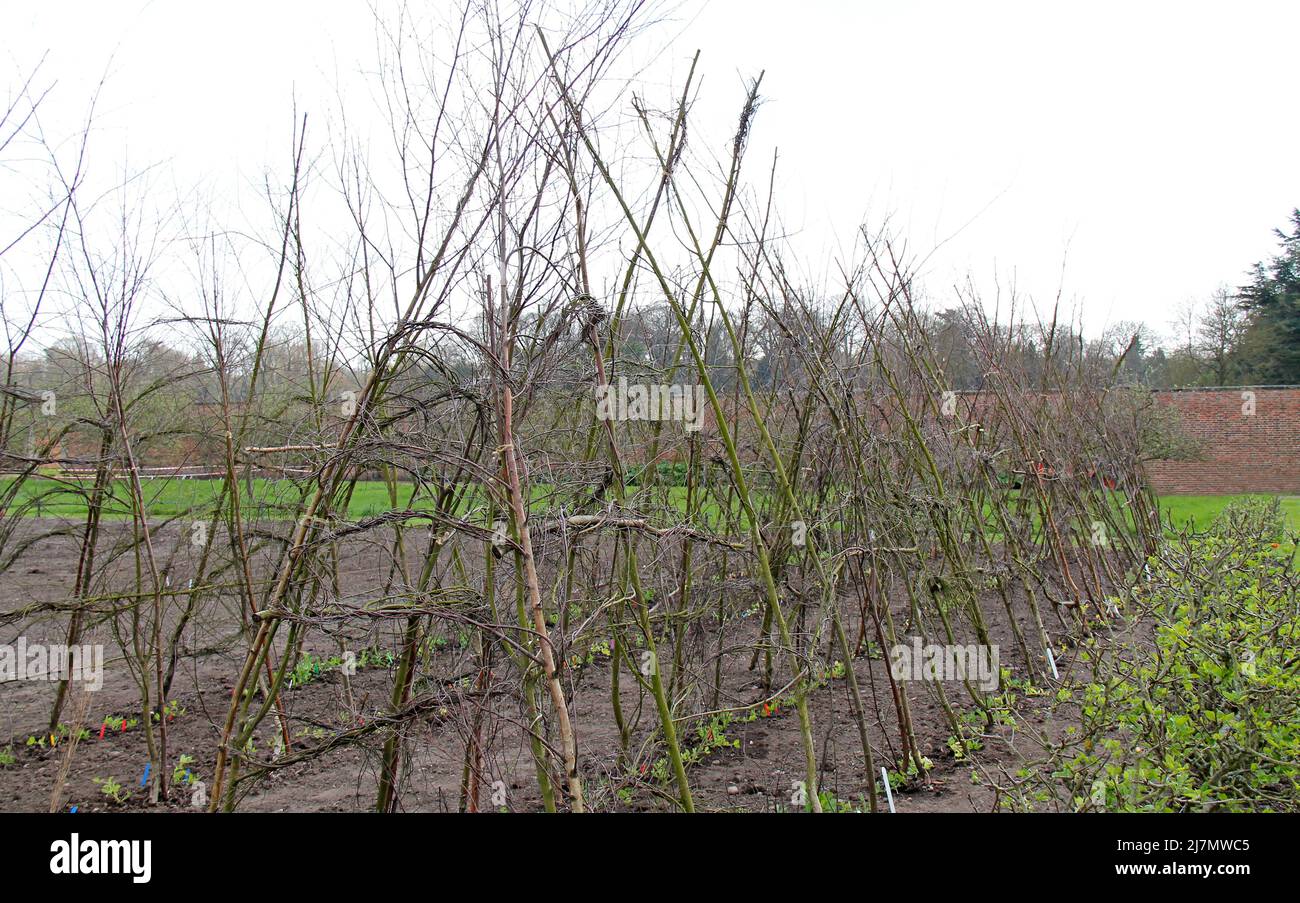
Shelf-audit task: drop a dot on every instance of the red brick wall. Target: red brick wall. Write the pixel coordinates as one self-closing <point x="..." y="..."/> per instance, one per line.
<point x="1241" y="452"/>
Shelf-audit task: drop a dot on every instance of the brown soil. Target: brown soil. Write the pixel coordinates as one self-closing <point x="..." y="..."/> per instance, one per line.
<point x="755" y="774"/>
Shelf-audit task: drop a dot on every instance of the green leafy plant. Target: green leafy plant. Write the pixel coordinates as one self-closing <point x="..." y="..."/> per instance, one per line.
<point x="1206" y="714"/>
<point x="182" y="769"/>
<point x="172" y="710"/>
<point x="709" y="738"/>
<point x="112" y="789"/>
<point x="831" y="803"/>
<point x="959" y="750"/>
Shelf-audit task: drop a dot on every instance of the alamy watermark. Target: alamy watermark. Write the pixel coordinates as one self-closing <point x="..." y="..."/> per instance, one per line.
<point x="36" y="661"/>
<point x="934" y="662"/>
<point x="653" y="401"/>
<point x="102" y="857"/>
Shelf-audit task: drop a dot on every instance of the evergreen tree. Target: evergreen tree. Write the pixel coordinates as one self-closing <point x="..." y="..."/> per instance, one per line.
<point x="1273" y="299"/>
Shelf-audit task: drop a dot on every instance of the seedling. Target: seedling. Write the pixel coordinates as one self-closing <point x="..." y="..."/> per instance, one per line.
<point x="115" y="723"/>
<point x="181" y="773"/>
<point x="112" y="789"/>
<point x="171" y="710"/>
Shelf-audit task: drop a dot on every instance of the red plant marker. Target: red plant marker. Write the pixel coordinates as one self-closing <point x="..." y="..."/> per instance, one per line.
<point x="124" y="725"/>
<point x="103" y="728"/>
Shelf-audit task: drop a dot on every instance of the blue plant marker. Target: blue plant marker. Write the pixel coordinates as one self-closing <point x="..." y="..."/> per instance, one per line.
<point x="74" y="808"/>
<point x="187" y="776"/>
<point x="144" y="780"/>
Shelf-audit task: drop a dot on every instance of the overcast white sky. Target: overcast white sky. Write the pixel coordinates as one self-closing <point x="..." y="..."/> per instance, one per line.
<point x="1149" y="148"/>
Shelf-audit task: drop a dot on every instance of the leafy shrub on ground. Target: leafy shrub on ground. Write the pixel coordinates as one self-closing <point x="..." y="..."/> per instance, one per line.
<point x="1203" y="713"/>
<point x="1254" y="518"/>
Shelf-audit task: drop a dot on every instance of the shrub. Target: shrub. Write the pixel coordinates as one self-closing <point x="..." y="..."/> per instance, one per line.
<point x="1253" y="519"/>
<point x="1203" y="712"/>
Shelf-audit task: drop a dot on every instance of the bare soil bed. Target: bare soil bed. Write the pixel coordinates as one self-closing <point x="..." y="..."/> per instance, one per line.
<point x="754" y="772"/>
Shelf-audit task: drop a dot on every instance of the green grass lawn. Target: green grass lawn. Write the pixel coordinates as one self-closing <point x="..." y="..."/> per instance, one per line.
<point x="167" y="498"/>
<point x="270" y="499"/>
<point x="1201" y="510"/>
